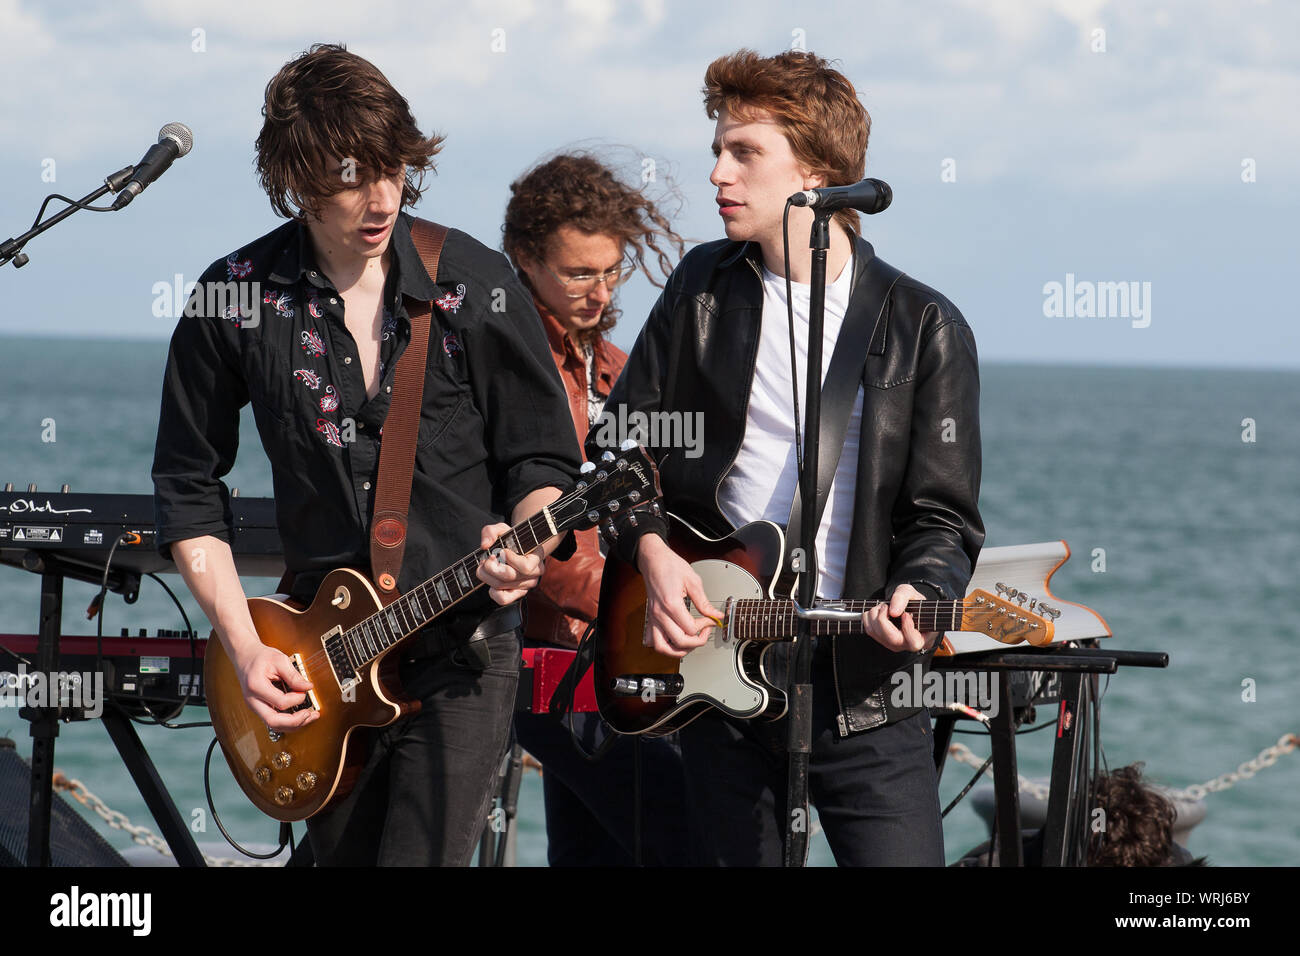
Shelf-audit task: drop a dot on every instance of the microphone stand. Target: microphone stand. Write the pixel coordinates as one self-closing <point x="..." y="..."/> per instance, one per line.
<point x="11" y="249"/>
<point x="801" y="692"/>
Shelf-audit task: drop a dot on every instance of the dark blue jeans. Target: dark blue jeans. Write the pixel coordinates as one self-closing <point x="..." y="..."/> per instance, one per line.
<point x="423" y="797"/>
<point x="591" y="806"/>
<point x="876" y="792"/>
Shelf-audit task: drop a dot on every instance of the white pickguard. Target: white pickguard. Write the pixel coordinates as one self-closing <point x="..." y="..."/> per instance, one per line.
<point x="712" y="670"/>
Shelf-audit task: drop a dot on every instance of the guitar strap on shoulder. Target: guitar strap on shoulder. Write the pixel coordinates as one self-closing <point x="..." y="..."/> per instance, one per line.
<point x="863" y="328"/>
<point x="401" y="426"/>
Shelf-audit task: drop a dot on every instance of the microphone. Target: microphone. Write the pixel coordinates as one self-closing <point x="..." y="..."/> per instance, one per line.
<point x="870" y="196"/>
<point x="174" y="141"/>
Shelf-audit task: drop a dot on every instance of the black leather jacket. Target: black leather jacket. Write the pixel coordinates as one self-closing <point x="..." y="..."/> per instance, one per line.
<point x="915" y="517"/>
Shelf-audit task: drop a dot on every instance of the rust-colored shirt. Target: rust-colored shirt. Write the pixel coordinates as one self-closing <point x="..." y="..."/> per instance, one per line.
<point x="564" y="603"/>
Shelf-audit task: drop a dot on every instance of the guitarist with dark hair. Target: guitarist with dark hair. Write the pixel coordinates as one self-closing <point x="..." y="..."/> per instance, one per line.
<point x="901" y="521"/>
<point x="315" y="352"/>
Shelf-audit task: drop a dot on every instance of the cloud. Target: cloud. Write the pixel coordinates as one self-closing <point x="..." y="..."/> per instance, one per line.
<point x="1013" y="92"/>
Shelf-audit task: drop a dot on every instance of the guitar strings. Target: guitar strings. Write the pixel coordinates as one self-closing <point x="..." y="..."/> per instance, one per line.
<point x="469" y="565"/>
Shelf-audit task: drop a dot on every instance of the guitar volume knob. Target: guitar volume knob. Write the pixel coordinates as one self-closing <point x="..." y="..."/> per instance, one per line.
<point x="284" y="796"/>
<point x="306" y="780"/>
<point x="262" y="774"/>
<point x="281" y="760"/>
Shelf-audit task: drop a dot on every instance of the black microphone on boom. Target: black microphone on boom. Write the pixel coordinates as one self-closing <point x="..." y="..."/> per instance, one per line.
<point x="174" y="141"/>
<point x="869" y="196"/>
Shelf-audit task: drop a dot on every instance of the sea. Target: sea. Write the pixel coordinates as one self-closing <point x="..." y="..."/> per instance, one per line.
<point x="1177" y="491"/>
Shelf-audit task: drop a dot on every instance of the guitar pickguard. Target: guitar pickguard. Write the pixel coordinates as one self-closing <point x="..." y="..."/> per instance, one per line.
<point x="714" y="672"/>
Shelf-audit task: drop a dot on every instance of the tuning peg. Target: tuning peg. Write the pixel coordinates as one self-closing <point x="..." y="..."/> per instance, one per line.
<point x="628" y="444"/>
<point x="587" y="467"/>
<point x="1001" y="588"/>
<point x="608" y="530"/>
<point x="607" y="456"/>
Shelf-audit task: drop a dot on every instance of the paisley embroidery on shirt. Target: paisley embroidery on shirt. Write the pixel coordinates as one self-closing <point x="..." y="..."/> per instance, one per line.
<point x="235" y="314"/>
<point x="330" y="431"/>
<point x="238" y="268"/>
<point x="449" y="302"/>
<point x="282" y="302"/>
<point x="307" y="377"/>
<point x="451" y="344"/>
<point x="390" y="323"/>
<point x="329" y="401"/>
<point x="311" y="343"/>
<point x="313" y="306"/>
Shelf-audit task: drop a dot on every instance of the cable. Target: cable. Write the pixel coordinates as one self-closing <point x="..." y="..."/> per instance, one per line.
<point x="97" y="606"/>
<point x="794" y="366"/>
<point x="966" y="789"/>
<point x="1028" y="730"/>
<point x="286" y="838"/>
<point x="71" y="202"/>
<point x="1015" y="732"/>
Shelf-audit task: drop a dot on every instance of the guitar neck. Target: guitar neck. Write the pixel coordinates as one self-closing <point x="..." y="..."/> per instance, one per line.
<point x="766" y="620"/>
<point x="426" y="601"/>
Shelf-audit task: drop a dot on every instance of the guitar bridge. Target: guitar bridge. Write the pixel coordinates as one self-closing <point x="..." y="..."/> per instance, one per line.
<point x="647" y="686"/>
<point x="309" y="701"/>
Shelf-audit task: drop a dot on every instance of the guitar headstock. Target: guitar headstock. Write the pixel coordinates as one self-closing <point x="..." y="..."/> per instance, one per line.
<point x="616" y="484"/>
<point x="1000" y="619"/>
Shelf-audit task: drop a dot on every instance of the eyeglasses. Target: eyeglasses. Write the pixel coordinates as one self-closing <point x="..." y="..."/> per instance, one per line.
<point x="575" y="287"/>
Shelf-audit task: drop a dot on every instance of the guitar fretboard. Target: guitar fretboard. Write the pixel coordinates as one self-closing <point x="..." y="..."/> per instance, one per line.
<point x="766" y="620"/>
<point x="420" y="605"/>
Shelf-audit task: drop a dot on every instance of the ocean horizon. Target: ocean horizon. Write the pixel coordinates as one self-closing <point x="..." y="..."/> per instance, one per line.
<point x="1175" y="488"/>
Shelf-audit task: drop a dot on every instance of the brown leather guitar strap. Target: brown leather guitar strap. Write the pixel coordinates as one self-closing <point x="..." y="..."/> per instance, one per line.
<point x="397" y="450"/>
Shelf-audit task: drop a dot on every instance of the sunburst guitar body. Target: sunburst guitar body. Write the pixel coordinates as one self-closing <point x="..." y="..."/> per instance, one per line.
<point x="640" y="691"/>
<point x="344" y="643"/>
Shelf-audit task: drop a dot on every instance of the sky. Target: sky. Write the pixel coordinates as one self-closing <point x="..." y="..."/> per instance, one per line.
<point x="1040" y="151"/>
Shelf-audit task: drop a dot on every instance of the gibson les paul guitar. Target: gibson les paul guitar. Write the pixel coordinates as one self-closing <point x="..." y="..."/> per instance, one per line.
<point x="640" y="691"/>
<point x="343" y="644"/>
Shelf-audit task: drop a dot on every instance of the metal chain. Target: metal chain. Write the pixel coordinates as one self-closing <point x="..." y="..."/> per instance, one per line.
<point x="1267" y="757"/>
<point x="963" y="754"/>
<point x="140" y="834"/>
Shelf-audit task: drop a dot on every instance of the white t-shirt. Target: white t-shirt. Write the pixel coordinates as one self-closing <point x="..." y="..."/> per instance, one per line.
<point x="764" y="480"/>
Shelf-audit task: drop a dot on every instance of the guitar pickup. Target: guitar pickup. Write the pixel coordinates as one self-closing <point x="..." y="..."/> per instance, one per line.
<point x="345" y="673"/>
